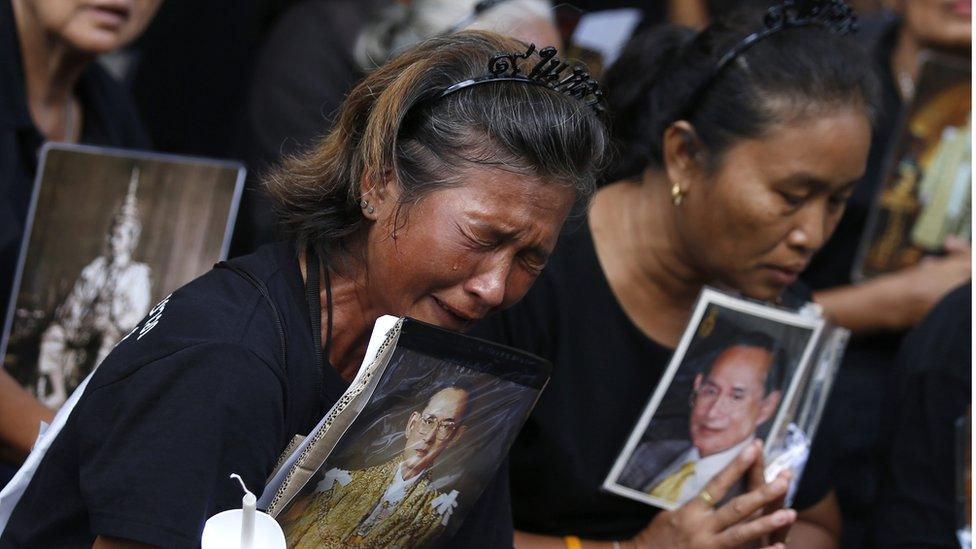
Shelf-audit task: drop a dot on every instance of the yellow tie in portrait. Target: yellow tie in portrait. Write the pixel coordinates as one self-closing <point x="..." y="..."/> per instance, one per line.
<point x="670" y="488"/>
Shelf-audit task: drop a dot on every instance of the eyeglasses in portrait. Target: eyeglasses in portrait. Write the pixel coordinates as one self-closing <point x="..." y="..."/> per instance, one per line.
<point x="729" y="382"/>
<point x="415" y="460"/>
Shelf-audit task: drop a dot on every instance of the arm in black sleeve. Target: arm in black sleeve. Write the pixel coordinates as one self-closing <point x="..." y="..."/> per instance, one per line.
<point x="157" y="447"/>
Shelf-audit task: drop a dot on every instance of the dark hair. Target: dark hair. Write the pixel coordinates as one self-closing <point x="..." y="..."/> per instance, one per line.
<point x="393" y="122"/>
<point x="789" y="75"/>
<point x="759" y="340"/>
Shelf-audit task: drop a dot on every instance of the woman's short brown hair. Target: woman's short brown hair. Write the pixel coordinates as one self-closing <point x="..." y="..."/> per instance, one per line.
<point x="394" y="122"/>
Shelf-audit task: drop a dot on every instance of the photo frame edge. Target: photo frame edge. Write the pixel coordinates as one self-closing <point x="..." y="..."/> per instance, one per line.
<point x="235" y="204"/>
<point x="8" y="321"/>
<point x="611" y="480"/>
<point x="707" y="297"/>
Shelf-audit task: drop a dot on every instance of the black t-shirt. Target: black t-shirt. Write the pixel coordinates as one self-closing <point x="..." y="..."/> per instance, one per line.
<point x="200" y="389"/>
<point x="930" y="390"/>
<point x="108" y="119"/>
<point x="605" y="370"/>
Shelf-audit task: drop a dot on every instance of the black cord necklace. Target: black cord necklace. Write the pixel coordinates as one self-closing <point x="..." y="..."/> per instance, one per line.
<point x="312" y="266"/>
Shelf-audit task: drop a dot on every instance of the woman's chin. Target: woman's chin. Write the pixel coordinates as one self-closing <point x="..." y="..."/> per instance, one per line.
<point x="763" y="291"/>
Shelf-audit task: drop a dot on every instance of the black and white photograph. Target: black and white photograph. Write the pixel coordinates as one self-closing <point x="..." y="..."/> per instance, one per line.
<point x="112" y="232"/>
<point x="737" y="367"/>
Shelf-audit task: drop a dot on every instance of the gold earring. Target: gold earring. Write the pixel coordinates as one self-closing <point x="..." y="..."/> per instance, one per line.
<point x="677" y="195"/>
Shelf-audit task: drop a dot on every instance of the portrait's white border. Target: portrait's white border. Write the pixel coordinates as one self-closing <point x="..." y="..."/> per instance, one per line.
<point x="119" y="153"/>
<point x="710" y="296"/>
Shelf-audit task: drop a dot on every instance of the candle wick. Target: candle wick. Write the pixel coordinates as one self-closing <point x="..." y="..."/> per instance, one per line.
<point x="239" y="479"/>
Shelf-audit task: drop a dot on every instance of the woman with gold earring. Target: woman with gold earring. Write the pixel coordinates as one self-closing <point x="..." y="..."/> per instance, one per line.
<point x="738" y="147"/>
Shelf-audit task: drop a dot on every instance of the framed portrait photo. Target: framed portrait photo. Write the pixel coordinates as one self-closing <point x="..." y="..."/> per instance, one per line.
<point x="110" y="233"/>
<point x="404" y="463"/>
<point x="925" y="196"/>
<point x="734" y="377"/>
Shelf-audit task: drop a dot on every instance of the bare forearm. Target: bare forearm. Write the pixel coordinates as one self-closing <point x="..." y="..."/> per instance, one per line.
<point x="819" y="526"/>
<point x="805" y="535"/>
<point x="20" y="417"/>
<point x="898" y="300"/>
<point x="862" y="309"/>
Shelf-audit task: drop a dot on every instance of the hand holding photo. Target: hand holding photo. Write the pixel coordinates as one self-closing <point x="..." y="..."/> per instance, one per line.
<point x="733" y="378"/>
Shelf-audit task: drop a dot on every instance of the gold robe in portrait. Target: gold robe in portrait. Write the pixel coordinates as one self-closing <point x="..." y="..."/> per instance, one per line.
<point x="332" y="518"/>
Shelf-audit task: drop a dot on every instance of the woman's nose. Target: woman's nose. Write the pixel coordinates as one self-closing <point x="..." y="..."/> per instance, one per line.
<point x="489" y="285"/>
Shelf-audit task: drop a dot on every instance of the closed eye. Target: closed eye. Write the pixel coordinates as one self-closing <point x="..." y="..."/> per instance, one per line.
<point x="532" y="262"/>
<point x="476" y="242"/>
<point x="839" y="199"/>
<point x="792" y="199"/>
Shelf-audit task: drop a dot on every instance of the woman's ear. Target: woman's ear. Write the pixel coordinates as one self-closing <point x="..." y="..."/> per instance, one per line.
<point x="682" y="154"/>
<point x="381" y="194"/>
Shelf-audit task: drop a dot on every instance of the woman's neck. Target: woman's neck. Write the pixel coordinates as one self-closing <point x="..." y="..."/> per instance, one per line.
<point x="637" y="241"/>
<point x="51" y="70"/>
<point x="353" y="315"/>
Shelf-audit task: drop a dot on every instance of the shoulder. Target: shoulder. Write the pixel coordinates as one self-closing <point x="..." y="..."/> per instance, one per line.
<point x="214" y="316"/>
<point x="215" y="364"/>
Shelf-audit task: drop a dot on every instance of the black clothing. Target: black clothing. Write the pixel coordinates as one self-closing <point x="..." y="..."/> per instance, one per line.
<point x="108" y="119"/>
<point x="930" y="391"/>
<point x="197" y="391"/>
<point x="190" y="91"/>
<point x="604" y="372"/>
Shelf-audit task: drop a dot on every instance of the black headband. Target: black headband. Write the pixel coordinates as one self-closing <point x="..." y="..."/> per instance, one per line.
<point x="504" y="67"/>
<point x="834" y="16"/>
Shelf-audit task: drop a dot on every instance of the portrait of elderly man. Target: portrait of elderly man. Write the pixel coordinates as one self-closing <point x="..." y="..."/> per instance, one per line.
<point x="737" y="392"/>
<point x="393" y="504"/>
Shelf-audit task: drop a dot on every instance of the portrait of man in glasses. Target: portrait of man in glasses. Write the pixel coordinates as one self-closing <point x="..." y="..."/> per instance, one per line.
<point x="393" y="504"/>
<point x="737" y="391"/>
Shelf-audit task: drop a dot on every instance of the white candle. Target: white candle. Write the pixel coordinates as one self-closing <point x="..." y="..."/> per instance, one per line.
<point x="248" y="508"/>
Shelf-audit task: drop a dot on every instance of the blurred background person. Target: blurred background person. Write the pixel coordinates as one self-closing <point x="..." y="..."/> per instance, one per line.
<point x="925" y="480"/>
<point x="51" y="89"/>
<point x="881" y="309"/>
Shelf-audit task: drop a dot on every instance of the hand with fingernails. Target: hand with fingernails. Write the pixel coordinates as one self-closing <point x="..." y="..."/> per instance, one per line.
<point x="754" y="518"/>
